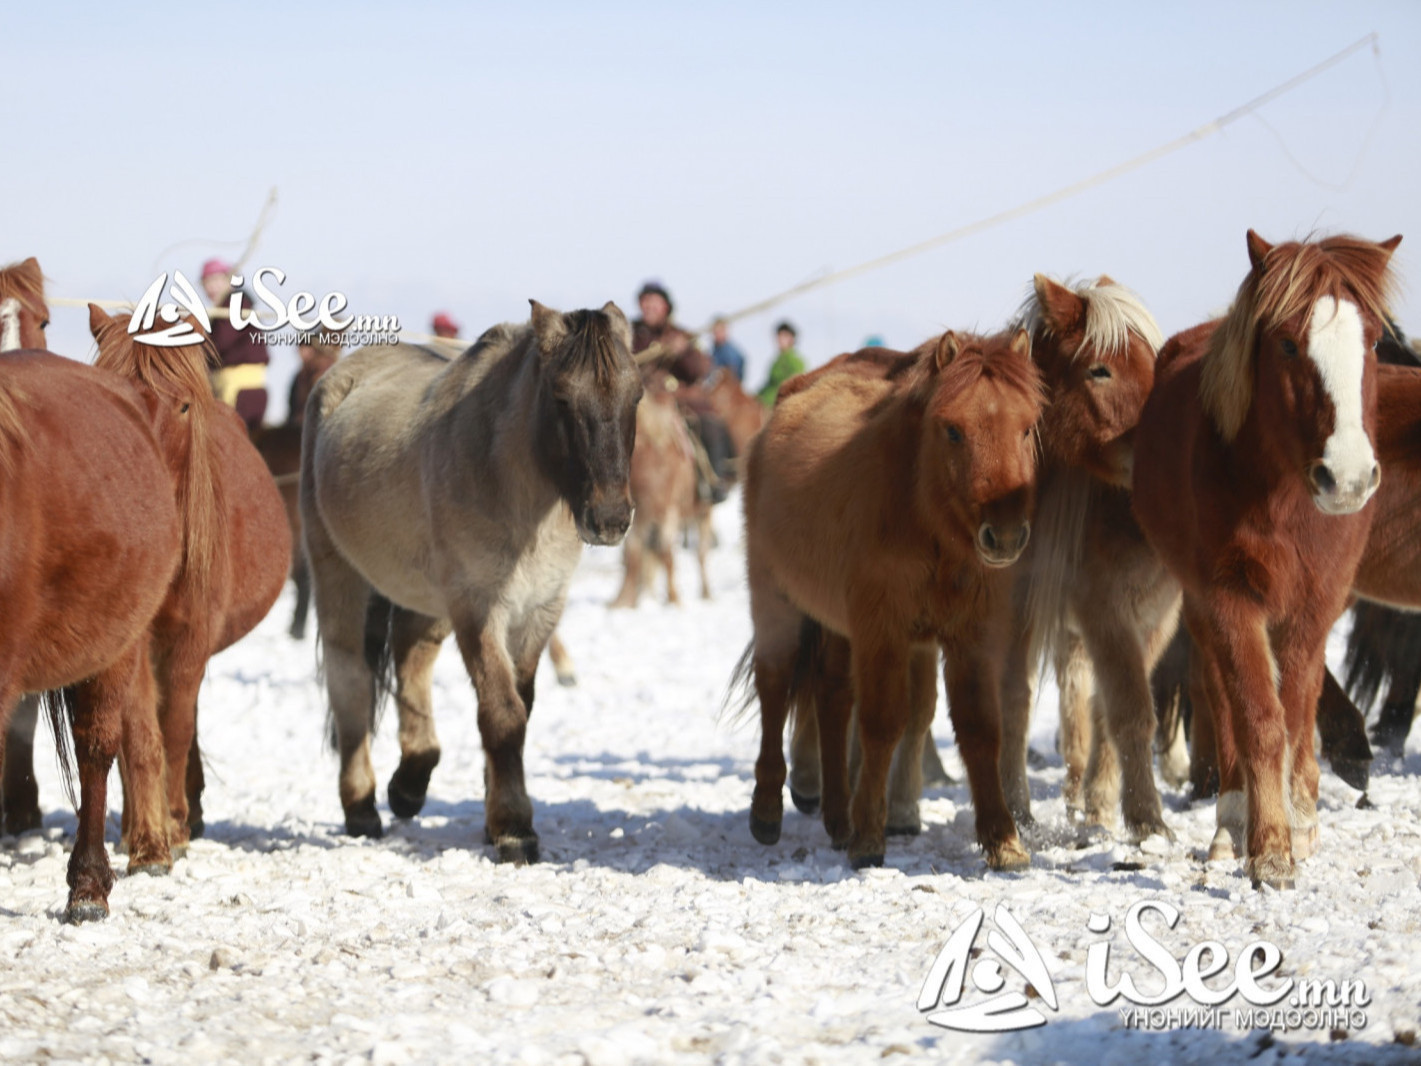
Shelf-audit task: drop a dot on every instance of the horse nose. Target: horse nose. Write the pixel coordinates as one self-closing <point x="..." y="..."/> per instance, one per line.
<point x="1347" y="497"/>
<point x="1002" y="545"/>
<point x="606" y="523"/>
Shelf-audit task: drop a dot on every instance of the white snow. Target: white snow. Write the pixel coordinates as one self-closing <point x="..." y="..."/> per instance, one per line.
<point x="656" y="929"/>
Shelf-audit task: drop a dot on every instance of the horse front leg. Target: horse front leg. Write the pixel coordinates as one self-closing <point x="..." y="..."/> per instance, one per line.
<point x="1235" y="634"/>
<point x="1301" y="660"/>
<point x="179" y="680"/>
<point x="21" y="791"/>
<point x="144" y="774"/>
<point x="415" y="642"/>
<point x="973" y="683"/>
<point x="1018" y="694"/>
<point x="1081" y="742"/>
<point x="503" y="726"/>
<point x="833" y="697"/>
<point x="881" y="692"/>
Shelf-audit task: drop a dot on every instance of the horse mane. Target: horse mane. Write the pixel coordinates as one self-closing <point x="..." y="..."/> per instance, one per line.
<point x="1294" y="276"/>
<point x="977" y="357"/>
<point x="1112" y="313"/>
<point x="13" y="436"/>
<point x="179" y="375"/>
<point x="591" y="344"/>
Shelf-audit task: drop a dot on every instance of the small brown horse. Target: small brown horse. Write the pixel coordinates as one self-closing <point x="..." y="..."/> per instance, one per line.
<point x="461" y="490"/>
<point x="1093" y="594"/>
<point x="236" y="551"/>
<point x="892" y="568"/>
<point x="1253" y="462"/>
<point x="663" y="480"/>
<point x="743" y="414"/>
<point x="90" y="542"/>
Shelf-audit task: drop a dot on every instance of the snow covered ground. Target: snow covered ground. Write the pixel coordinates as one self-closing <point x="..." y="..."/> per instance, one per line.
<point x="656" y="929"/>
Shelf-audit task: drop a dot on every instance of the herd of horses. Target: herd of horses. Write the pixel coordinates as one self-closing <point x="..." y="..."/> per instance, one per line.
<point x="1174" y="525"/>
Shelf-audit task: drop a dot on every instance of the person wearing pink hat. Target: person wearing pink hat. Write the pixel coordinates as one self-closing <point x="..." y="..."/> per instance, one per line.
<point x="240" y="379"/>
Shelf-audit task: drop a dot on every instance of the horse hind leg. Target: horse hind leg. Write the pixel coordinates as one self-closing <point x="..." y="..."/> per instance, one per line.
<point x="776" y="647"/>
<point x="1075" y="679"/>
<point x="301" y="578"/>
<point x="147" y="829"/>
<point x="562" y="661"/>
<point x="804" y="770"/>
<point x="415" y="641"/>
<point x="21" y="791"/>
<point x="905" y="776"/>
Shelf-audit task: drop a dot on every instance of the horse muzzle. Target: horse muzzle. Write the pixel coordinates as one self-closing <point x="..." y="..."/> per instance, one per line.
<point x="602" y="526"/>
<point x="1341" y="496"/>
<point x="1002" y="545"/>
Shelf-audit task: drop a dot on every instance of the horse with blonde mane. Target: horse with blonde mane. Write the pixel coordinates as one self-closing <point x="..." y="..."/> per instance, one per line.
<point x="881" y="571"/>
<point x="1254" y="459"/>
<point x="235" y="555"/>
<point x="83" y="479"/>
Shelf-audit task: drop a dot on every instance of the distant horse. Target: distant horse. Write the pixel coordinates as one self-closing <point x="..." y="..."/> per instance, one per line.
<point x="892" y="568"/>
<point x="462" y="491"/>
<point x="742" y="413"/>
<point x="663" y="480"/>
<point x="236" y="551"/>
<point x="83" y="480"/>
<point x="280" y="449"/>
<point x="1091" y="594"/>
<point x="1254" y="459"/>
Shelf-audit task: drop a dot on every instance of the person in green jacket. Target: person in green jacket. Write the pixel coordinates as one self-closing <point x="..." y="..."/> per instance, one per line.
<point x="787" y="364"/>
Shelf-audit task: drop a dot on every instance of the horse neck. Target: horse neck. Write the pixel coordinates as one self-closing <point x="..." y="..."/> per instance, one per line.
<point x="1398" y="416"/>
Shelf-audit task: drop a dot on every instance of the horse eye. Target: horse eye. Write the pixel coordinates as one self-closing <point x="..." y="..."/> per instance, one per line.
<point x="1100" y="372"/>
<point x="183" y="409"/>
<point x="1290" y="348"/>
<point x="954" y="434"/>
<point x="44" y="324"/>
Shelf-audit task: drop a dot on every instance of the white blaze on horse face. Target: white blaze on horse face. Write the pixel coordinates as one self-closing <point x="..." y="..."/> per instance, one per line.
<point x="1335" y="344"/>
<point x="9" y="324"/>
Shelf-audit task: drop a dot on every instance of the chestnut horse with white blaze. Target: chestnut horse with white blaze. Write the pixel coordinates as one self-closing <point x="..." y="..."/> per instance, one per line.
<point x="893" y="568"/>
<point x="1254" y="460"/>
<point x="461" y="491"/>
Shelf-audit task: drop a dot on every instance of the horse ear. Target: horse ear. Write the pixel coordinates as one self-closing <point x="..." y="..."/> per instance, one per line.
<point x="30" y="269"/>
<point x="1061" y="309"/>
<point x="98" y="319"/>
<point x="548" y="327"/>
<point x="1104" y="279"/>
<point x="1258" y="250"/>
<point x="947" y="348"/>
<point x="619" y="323"/>
<point x="1388" y="246"/>
<point x="1021" y="343"/>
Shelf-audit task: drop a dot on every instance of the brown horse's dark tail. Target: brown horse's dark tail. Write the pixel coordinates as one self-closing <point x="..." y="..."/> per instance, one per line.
<point x="59" y="708"/>
<point x="379" y="656"/>
<point x="1384" y="648"/>
<point x="808" y="664"/>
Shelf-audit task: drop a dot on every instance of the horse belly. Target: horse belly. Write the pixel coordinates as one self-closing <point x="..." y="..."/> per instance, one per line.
<point x="258" y="548"/>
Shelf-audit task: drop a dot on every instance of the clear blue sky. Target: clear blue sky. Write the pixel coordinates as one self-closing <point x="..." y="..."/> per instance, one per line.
<point x="466" y="157"/>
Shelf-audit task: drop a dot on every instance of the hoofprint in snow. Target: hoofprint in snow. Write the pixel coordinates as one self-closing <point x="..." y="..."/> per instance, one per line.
<point x="656" y="929"/>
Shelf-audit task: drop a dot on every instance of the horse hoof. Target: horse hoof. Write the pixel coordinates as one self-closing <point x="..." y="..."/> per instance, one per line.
<point x="1008" y="856"/>
<point x="567" y="680"/>
<point x="196" y="827"/>
<point x="764" y="832"/>
<point x="152" y="869"/>
<point x="864" y="862"/>
<point x="1304" y="842"/>
<point x="517" y="850"/>
<point x="1150" y="827"/>
<point x="88" y="910"/>
<point x="17" y="822"/>
<point x="403" y="804"/>
<point x="1277" y="883"/>
<point x="364" y="823"/>
<point x="804" y="804"/>
<point x="907" y="829"/>
<point x="1355" y="772"/>
<point x="1364" y="803"/>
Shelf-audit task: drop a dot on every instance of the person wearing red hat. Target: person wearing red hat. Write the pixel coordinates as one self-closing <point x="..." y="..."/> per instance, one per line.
<point x="444" y="326"/>
<point x="240" y="379"/>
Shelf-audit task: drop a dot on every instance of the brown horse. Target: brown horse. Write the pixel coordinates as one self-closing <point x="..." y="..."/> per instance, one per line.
<point x="236" y="551"/>
<point x="893" y="568"/>
<point x="90" y="542"/>
<point x="1253" y="462"/>
<point x="280" y="449"/>
<point x="1093" y="594"/>
<point x="663" y="480"/>
<point x="461" y="490"/>
<point x="743" y="414"/>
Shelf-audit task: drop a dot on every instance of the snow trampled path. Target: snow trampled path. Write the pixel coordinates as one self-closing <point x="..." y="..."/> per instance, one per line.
<point x="656" y="929"/>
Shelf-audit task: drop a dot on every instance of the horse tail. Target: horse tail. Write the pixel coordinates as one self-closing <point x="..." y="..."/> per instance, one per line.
<point x="379" y="654"/>
<point x="808" y="666"/>
<point x="1383" y="641"/>
<point x="59" y="708"/>
<point x="740" y="692"/>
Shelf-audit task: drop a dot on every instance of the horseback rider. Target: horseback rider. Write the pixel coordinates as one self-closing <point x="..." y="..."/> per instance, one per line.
<point x="240" y="380"/>
<point x="669" y="358"/>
